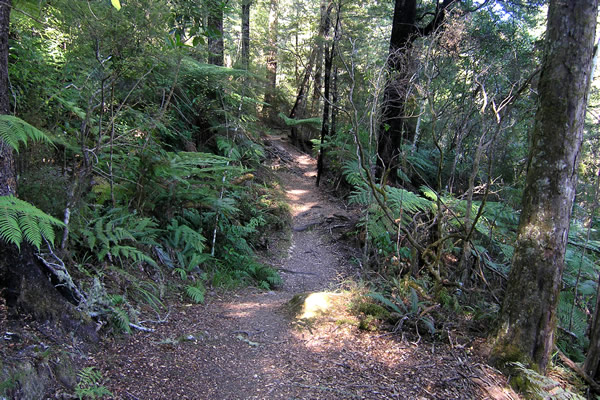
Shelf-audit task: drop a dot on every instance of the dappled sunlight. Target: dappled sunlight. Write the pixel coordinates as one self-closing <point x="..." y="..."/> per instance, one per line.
<point x="305" y="160"/>
<point x="297" y="194"/>
<point x="317" y="304"/>
<point x="298" y="199"/>
<point x="245" y="310"/>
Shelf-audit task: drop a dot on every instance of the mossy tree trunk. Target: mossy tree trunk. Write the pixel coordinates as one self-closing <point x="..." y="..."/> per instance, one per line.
<point x="528" y="317"/>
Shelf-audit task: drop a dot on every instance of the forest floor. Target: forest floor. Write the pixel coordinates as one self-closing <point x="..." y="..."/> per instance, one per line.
<point x="249" y="344"/>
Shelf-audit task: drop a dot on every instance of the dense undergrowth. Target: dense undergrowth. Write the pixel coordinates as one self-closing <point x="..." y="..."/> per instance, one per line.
<point x="151" y="160"/>
<point x="146" y="167"/>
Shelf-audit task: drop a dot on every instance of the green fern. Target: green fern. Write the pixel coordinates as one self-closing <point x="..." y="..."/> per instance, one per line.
<point x="542" y="387"/>
<point x="20" y="220"/>
<point x="387" y="302"/>
<point x="90" y="385"/>
<point x="14" y="130"/>
<point x="184" y="238"/>
<point x="122" y="236"/>
<point x="196" y="292"/>
<point x="121" y="319"/>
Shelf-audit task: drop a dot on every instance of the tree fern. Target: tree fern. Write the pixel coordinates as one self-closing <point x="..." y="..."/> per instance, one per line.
<point x="20" y="220"/>
<point x="14" y="130"/>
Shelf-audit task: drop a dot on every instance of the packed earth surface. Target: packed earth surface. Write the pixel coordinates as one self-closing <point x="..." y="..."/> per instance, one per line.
<point x="296" y="342"/>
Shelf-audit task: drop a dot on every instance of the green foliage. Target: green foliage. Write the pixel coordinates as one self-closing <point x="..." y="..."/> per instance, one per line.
<point x="573" y="323"/>
<point x="537" y="386"/>
<point x="120" y="236"/>
<point x="314" y="122"/>
<point x="91" y="384"/>
<point x="14" y="130"/>
<point x="398" y="308"/>
<point x="196" y="292"/>
<point x="20" y="221"/>
<point x="120" y="319"/>
<point x="411" y="309"/>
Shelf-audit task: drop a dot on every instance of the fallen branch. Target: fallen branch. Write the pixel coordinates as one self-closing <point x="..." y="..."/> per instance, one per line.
<point x="59" y="270"/>
<point x="141" y="328"/>
<point x="577" y="369"/>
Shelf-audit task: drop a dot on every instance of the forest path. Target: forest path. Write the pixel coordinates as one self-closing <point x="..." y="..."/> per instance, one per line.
<point x="244" y="345"/>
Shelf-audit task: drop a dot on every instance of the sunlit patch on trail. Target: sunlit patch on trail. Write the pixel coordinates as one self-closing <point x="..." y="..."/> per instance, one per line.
<point x="245" y="310"/>
<point x="297" y="194"/>
<point x="299" y="204"/>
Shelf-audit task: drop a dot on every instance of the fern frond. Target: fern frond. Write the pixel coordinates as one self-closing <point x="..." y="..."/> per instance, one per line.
<point x="196" y="292"/>
<point x="121" y="319"/>
<point x="9" y="227"/>
<point x="20" y="220"/>
<point x="13" y="131"/>
<point x="387" y="302"/>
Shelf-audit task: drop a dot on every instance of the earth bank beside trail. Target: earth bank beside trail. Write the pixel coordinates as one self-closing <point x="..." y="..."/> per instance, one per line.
<point x="247" y="344"/>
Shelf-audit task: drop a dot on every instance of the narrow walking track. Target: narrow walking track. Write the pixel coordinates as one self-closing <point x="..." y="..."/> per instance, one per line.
<point x="244" y="345"/>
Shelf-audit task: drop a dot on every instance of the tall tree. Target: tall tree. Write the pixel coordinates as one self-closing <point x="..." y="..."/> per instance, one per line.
<point x="8" y="181"/>
<point x="246" y="33"/>
<point x="394" y="118"/>
<point x="216" y="49"/>
<point x="298" y="110"/>
<point x="330" y="48"/>
<point x="319" y="49"/>
<point x="528" y="317"/>
<point x="272" y="56"/>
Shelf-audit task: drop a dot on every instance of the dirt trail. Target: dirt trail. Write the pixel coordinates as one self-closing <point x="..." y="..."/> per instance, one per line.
<point x="243" y="345"/>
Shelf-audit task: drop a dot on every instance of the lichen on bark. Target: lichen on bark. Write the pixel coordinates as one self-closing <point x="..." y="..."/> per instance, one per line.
<point x="528" y="317"/>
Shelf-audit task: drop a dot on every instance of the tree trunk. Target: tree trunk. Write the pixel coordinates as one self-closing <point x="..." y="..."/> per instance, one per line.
<point x="329" y="54"/>
<point x="528" y="317"/>
<point x="246" y="33"/>
<point x="272" y="57"/>
<point x="592" y="360"/>
<point x="298" y="110"/>
<point x="216" y="52"/>
<point x="394" y="119"/>
<point x="8" y="178"/>
<point x="320" y="49"/>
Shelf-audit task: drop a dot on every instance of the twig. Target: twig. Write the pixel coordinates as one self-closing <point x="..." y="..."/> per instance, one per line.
<point x="141" y="328"/>
<point x="59" y="270"/>
<point x="132" y="396"/>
